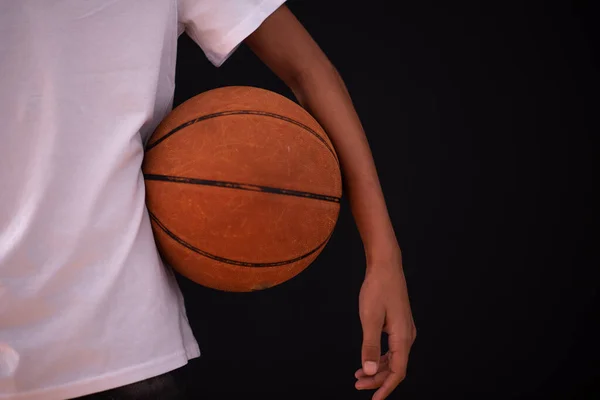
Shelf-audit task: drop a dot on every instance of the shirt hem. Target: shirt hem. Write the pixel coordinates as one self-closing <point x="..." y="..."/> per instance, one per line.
<point x="234" y="38"/>
<point x="111" y="380"/>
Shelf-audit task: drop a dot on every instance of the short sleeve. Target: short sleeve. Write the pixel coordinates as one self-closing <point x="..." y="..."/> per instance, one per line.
<point x="220" y="26"/>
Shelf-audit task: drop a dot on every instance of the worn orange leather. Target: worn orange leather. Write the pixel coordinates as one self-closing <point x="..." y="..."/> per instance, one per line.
<point x="243" y="188"/>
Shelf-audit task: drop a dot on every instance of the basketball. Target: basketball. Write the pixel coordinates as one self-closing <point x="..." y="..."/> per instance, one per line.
<point x="243" y="188"/>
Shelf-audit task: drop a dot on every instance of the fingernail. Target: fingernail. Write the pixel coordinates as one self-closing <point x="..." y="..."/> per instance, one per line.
<point x="370" y="367"/>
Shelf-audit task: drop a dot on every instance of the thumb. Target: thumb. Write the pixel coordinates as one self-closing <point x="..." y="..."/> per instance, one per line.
<point x="371" y="346"/>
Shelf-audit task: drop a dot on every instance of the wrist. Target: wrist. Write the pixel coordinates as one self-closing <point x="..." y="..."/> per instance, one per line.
<point x="383" y="252"/>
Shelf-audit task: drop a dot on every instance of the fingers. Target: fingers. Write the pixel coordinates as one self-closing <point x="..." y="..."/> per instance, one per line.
<point x="371" y="346"/>
<point x="372" y="382"/>
<point x="371" y="351"/>
<point x="398" y="360"/>
<point x="383" y="364"/>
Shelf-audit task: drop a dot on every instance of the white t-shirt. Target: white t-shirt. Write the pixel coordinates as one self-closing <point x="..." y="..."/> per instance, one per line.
<point x="85" y="301"/>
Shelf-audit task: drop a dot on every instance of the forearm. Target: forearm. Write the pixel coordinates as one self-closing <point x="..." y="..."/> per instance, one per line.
<point x="323" y="93"/>
<point x="290" y="52"/>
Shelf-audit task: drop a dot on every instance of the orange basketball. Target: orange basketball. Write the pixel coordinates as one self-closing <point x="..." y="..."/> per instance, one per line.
<point x="243" y="188"/>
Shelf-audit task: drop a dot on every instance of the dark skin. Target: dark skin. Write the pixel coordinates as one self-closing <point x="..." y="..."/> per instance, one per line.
<point x="285" y="46"/>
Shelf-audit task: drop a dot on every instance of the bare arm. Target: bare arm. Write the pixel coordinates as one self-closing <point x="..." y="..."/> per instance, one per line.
<point x="287" y="48"/>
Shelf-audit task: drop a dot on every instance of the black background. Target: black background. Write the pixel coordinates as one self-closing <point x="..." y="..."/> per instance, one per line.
<point x="479" y="117"/>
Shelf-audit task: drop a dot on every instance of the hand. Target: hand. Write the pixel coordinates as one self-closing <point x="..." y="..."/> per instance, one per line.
<point x="384" y="307"/>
